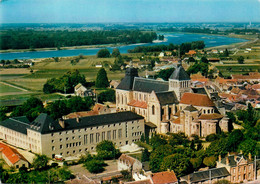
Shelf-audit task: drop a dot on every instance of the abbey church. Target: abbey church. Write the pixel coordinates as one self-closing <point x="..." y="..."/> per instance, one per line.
<point x="171" y="106"/>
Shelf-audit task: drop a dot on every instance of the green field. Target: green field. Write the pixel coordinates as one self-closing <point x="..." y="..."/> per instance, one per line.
<point x="7" y="89"/>
<point x="228" y="69"/>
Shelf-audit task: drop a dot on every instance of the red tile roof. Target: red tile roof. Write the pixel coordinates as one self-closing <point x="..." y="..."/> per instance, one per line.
<point x="140" y="104"/>
<point x="223" y="81"/>
<point x="177" y="121"/>
<point x="211" y="116"/>
<point x="164" y="177"/>
<point x="252" y="75"/>
<point x="191" y="52"/>
<point x="140" y="182"/>
<point x="196" y="100"/>
<point x="81" y="114"/>
<point x="11" y="154"/>
<point x="256" y="86"/>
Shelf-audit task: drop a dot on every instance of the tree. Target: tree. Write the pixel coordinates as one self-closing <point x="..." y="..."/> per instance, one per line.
<point x="3" y="174"/>
<point x="157" y="155"/>
<point x="145" y="155"/>
<point x="248" y="146"/>
<point x="165" y="74"/>
<point x="234" y="139"/>
<point x="3" y="111"/>
<point x="126" y="174"/>
<point x="106" y="150"/>
<point x="226" y="53"/>
<point x="95" y="166"/>
<point x="103" y="53"/>
<point x="57" y="109"/>
<point x="115" y="52"/>
<point x="31" y="109"/>
<point x="218" y="147"/>
<point x="192" y="145"/>
<point x="199" y="146"/>
<point x="179" y="163"/>
<point x="240" y="60"/>
<point x="102" y="80"/>
<point x="196" y="163"/>
<point x="3" y="62"/>
<point x="40" y="162"/>
<point x="204" y="60"/>
<point x="191" y="60"/>
<point x="212" y="137"/>
<point x="210" y="161"/>
<point x="107" y="96"/>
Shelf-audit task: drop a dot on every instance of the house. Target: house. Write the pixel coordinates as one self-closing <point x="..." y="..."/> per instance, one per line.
<point x="126" y="162"/>
<point x="12" y="157"/>
<point x="165" y="177"/>
<point x="114" y="84"/>
<point x="82" y="91"/>
<point x="161" y="54"/>
<point x="214" y="51"/>
<point x="252" y="77"/>
<point x="191" y="53"/>
<point x="207" y="176"/>
<point x="240" y="168"/>
<point x="71" y="136"/>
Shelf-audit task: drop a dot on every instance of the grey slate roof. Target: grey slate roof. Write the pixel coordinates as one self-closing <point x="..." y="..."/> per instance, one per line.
<point x="205" y="175"/>
<point x="168" y="97"/>
<point x="128" y="80"/>
<point x="19" y="124"/>
<point x="44" y="123"/>
<point x="233" y="160"/>
<point x="190" y="108"/>
<point x="149" y="85"/>
<point x="180" y="74"/>
<point x="47" y="125"/>
<point x="199" y="90"/>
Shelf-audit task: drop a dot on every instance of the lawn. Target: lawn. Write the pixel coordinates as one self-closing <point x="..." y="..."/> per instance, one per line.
<point x="7" y="89"/>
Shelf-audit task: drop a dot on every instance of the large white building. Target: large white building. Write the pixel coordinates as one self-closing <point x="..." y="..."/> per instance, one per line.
<point x="71" y="136"/>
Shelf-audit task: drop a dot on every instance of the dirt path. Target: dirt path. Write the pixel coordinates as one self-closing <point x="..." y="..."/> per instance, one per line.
<point x="22" y="89"/>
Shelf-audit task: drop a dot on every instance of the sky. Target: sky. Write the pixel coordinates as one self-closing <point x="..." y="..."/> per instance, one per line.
<point x="103" y="11"/>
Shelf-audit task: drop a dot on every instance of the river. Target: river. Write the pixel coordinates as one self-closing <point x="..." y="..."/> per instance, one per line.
<point x="175" y="38"/>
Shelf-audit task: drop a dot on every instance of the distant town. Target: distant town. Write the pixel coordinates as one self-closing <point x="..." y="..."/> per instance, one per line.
<point x="161" y="113"/>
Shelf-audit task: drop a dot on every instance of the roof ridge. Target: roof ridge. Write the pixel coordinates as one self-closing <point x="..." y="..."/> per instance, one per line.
<point x="19" y="121"/>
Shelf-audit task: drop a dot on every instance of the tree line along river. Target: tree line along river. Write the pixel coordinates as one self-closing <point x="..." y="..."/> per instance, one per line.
<point x="174" y="38"/>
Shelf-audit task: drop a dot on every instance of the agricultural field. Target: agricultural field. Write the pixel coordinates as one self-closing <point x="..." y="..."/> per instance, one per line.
<point x="44" y="69"/>
<point x="7" y="89"/>
<point x="227" y="69"/>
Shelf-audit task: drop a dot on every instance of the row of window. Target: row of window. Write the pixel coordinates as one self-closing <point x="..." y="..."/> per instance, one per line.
<point x="92" y="128"/>
<point x="136" y="134"/>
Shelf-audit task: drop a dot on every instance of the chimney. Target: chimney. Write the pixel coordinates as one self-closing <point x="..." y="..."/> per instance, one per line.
<point x="77" y="119"/>
<point x="227" y="161"/>
<point x="189" y="178"/>
<point x="249" y="156"/>
<point x="219" y="158"/>
<point x="241" y="152"/>
<point x="62" y="123"/>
